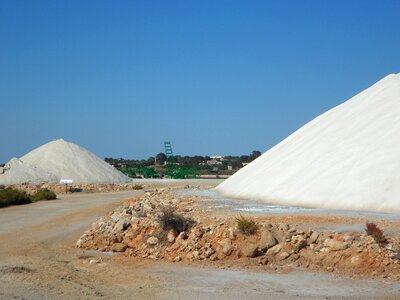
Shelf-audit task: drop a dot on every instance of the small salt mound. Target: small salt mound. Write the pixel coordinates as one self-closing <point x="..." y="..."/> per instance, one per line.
<point x="347" y="158"/>
<point x="16" y="171"/>
<point x="62" y="160"/>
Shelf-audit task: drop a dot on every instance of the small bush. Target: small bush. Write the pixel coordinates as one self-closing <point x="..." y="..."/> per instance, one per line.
<point x="44" y="194"/>
<point x="373" y="230"/>
<point x="246" y="225"/>
<point x="10" y="196"/>
<point x="137" y="187"/>
<point x="169" y="219"/>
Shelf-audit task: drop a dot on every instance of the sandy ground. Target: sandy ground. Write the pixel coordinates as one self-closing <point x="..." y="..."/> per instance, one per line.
<point x="38" y="261"/>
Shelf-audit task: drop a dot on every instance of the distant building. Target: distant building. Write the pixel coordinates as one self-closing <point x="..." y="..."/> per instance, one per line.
<point x="218" y="157"/>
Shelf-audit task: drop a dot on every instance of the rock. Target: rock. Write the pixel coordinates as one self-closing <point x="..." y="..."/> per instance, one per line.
<point x="267" y="240"/>
<point x="284" y="227"/>
<point x="335" y="245"/>
<point x="348" y="239"/>
<point x="177" y="258"/>
<point x="79" y="243"/>
<point x="248" y="250"/>
<point x="274" y="250"/>
<point x="182" y="236"/>
<point x="118" y="247"/>
<point x="196" y="254"/>
<point x="300" y="245"/>
<point x="232" y="234"/>
<point x="283" y="255"/>
<point x="355" y="260"/>
<point x="314" y="236"/>
<point x="198" y="232"/>
<point x="152" y="241"/>
<point x="209" y="251"/>
<point x="263" y="260"/>
<point x="279" y="235"/>
<point x="94" y="261"/>
<point x="171" y="236"/>
<point x="226" y="245"/>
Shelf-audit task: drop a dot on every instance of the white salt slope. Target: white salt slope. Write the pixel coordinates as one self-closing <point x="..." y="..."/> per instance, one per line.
<point x="68" y="160"/>
<point x="17" y="172"/>
<point x="347" y="158"/>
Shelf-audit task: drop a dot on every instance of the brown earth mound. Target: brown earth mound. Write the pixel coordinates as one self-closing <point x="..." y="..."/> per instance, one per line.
<point x="159" y="226"/>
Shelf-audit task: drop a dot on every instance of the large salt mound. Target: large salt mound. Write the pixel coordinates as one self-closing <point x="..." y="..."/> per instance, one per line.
<point x="17" y="172"/>
<point x="63" y="160"/>
<point x="347" y="158"/>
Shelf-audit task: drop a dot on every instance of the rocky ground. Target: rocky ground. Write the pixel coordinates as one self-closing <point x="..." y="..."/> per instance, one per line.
<point x="159" y="226"/>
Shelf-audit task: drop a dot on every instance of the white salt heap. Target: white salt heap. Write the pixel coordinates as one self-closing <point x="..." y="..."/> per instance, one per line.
<point x="60" y="160"/>
<point x="347" y="158"/>
<point x="16" y="171"/>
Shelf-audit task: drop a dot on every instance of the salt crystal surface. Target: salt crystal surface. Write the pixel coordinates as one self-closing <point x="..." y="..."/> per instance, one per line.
<point x="347" y="158"/>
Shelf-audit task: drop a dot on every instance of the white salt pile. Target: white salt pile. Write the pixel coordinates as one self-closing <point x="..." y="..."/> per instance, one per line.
<point x="17" y="171"/>
<point x="60" y="160"/>
<point x="347" y="158"/>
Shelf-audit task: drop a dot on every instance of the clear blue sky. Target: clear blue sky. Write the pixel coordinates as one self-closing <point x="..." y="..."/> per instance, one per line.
<point x="213" y="77"/>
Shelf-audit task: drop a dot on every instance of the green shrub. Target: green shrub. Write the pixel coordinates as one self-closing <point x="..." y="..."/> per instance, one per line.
<point x="169" y="219"/>
<point x="373" y="230"/>
<point x="246" y="225"/>
<point x="44" y="194"/>
<point x="10" y="196"/>
<point x="137" y="187"/>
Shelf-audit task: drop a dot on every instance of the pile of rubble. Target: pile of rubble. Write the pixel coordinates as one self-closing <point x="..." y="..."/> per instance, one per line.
<point x="136" y="228"/>
<point x="80" y="187"/>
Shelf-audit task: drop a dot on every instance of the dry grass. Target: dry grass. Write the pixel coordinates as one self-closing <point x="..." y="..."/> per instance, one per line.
<point x="137" y="187"/>
<point x="169" y="219"/>
<point x="246" y="225"/>
<point x="373" y="230"/>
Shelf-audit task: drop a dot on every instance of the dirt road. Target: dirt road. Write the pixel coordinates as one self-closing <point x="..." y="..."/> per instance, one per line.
<point x="38" y="261"/>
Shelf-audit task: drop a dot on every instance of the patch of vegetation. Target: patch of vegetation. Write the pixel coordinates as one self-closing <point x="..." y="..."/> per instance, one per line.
<point x="170" y="219"/>
<point x="246" y="225"/>
<point x="373" y="230"/>
<point x="44" y="194"/>
<point x="137" y="187"/>
<point x="10" y="196"/>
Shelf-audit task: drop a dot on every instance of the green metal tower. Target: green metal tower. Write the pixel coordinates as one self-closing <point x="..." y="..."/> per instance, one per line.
<point x="168" y="152"/>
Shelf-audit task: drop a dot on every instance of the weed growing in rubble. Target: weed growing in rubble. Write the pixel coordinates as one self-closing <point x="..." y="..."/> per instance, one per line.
<point x="137" y="187"/>
<point x="246" y="225"/>
<point x="373" y="230"/>
<point x="170" y="219"/>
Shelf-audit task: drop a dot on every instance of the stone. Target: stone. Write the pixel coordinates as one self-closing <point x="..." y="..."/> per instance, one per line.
<point x="171" y="236"/>
<point x="348" y="239"/>
<point x="300" y="245"/>
<point x="79" y="243"/>
<point x="267" y="240"/>
<point x="279" y="235"/>
<point x="118" y="247"/>
<point x="283" y="255"/>
<point x="226" y="245"/>
<point x="335" y="245"/>
<point x="152" y="241"/>
<point x="209" y="251"/>
<point x="182" y="236"/>
<point x="177" y="258"/>
<point x="274" y="250"/>
<point x="94" y="261"/>
<point x="314" y="236"/>
<point x="248" y="250"/>
<point x="196" y="254"/>
<point x="263" y="260"/>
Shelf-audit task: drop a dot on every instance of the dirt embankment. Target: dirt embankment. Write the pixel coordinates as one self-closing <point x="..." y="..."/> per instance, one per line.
<point x="158" y="226"/>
